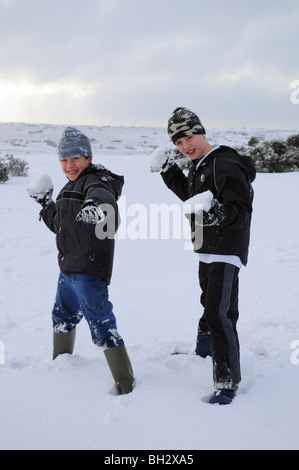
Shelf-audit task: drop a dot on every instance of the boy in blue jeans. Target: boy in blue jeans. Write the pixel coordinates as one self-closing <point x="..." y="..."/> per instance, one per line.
<point x="85" y="259"/>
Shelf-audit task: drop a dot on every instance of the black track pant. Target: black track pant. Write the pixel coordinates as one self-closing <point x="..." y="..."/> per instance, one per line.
<point x="220" y="288"/>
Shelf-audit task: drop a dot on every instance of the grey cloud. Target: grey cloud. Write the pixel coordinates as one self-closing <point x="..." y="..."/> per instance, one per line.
<point x="138" y="59"/>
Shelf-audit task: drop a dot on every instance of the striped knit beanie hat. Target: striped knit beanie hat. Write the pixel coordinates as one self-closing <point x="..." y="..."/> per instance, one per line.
<point x="73" y="143"/>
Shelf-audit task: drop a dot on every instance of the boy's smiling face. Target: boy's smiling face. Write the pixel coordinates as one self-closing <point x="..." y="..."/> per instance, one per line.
<point x="72" y="167"/>
<point x="192" y="146"/>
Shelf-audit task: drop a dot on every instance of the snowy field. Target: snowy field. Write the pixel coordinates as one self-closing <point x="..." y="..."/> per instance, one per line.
<point x="67" y="404"/>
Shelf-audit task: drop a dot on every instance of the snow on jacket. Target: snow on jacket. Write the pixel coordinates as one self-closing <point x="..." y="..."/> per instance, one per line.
<point x="80" y="251"/>
<point x="228" y="176"/>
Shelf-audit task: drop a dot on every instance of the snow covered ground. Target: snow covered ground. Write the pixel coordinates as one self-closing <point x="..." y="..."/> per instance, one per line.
<point x="66" y="404"/>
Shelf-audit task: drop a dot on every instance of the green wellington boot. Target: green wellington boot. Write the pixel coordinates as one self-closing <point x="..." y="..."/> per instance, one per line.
<point x="121" y="369"/>
<point x="63" y="343"/>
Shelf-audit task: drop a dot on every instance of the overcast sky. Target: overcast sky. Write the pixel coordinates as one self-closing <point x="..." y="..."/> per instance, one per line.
<point x="131" y="62"/>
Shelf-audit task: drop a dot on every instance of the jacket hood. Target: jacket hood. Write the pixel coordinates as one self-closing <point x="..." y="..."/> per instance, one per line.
<point x="114" y="181"/>
<point x="244" y="162"/>
<point x="247" y="164"/>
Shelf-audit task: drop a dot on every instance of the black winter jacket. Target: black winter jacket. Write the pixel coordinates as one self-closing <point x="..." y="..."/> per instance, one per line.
<point x="80" y="251"/>
<point x="228" y="176"/>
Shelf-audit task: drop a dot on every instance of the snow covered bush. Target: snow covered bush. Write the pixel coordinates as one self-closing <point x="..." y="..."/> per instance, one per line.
<point x="16" y="166"/>
<point x="3" y="171"/>
<point x="275" y="156"/>
<point x="11" y="166"/>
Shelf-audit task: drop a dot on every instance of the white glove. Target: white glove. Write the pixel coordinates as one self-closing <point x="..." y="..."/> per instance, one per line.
<point x="90" y="214"/>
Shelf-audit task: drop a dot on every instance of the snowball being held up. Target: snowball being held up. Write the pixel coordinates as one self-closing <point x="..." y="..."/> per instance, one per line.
<point x="159" y="157"/>
<point x="203" y="199"/>
<point x="39" y="185"/>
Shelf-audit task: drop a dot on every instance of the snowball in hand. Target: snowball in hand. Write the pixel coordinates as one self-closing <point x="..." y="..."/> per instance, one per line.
<point x="205" y="199"/>
<point x="159" y="157"/>
<point x="39" y="185"/>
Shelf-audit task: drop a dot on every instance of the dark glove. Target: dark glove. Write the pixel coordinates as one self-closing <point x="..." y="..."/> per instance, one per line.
<point x="90" y="214"/>
<point x="216" y="214"/>
<point x="43" y="199"/>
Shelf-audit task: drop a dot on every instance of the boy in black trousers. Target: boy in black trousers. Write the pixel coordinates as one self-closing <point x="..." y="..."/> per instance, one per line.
<point x="225" y="240"/>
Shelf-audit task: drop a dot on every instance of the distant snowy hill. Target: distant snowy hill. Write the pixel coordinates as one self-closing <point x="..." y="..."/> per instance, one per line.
<point x="22" y="139"/>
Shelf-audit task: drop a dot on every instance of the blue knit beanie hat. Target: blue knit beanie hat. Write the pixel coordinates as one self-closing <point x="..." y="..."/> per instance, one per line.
<point x="73" y="144"/>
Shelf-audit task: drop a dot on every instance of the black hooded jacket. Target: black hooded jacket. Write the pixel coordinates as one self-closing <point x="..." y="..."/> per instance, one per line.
<point x="228" y="176"/>
<point x="80" y="251"/>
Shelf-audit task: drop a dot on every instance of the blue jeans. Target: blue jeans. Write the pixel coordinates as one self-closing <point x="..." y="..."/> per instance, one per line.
<point x="78" y="296"/>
